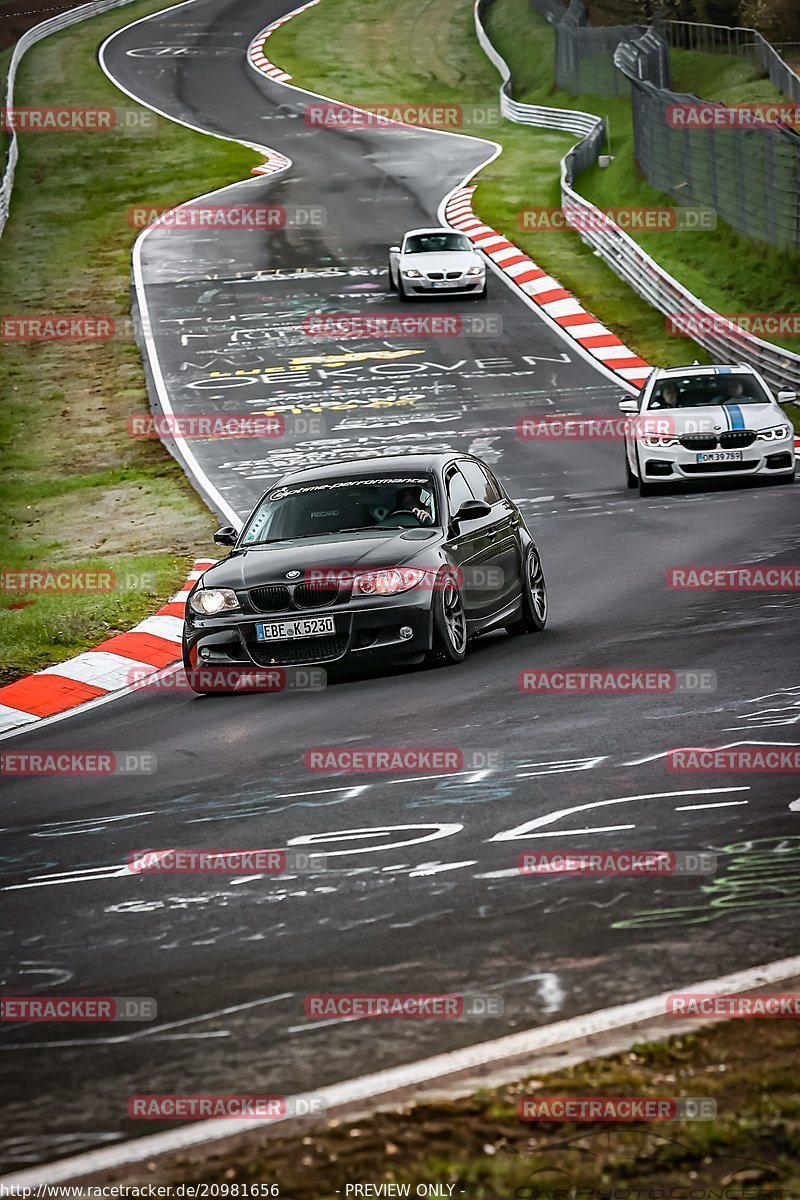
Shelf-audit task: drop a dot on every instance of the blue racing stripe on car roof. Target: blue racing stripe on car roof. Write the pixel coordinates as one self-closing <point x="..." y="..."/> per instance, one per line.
<point x="735" y="414"/>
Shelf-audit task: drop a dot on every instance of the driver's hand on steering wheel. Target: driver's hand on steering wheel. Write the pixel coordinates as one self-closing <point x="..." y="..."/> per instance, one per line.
<point x="423" y="516"/>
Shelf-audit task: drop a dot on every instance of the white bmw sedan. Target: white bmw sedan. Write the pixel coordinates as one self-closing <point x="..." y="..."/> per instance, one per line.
<point x="436" y="261"/>
<point x="706" y="422"/>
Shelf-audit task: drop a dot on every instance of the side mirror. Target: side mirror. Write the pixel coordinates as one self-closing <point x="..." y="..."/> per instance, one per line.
<point x="472" y="510"/>
<point x="394" y="249"/>
<point x="628" y="405"/>
<point x="226" y="536"/>
<point x="787" y="398"/>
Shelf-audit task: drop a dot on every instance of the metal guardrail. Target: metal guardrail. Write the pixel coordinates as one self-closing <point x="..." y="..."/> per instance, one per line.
<point x="568" y="120"/>
<point x="724" y="340"/>
<point x="28" y="39"/>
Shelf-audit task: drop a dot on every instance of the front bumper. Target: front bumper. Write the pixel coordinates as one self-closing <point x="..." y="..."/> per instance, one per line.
<point x="679" y="464"/>
<point x="363" y="631"/>
<point x="468" y="285"/>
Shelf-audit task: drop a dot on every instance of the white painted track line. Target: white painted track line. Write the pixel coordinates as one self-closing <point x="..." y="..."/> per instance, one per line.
<point x="372" y="1091"/>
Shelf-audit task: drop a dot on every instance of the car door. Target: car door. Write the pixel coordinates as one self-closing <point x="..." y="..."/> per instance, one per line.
<point x="470" y="546"/>
<point x="503" y="554"/>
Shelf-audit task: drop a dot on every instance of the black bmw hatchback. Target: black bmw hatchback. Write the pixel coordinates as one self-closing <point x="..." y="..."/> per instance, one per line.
<point x="396" y="559"/>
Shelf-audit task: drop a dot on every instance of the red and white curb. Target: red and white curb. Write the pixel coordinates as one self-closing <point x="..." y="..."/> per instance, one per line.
<point x="255" y="51"/>
<point x="147" y="648"/>
<point x="274" y="161"/>
<point x="559" y="304"/>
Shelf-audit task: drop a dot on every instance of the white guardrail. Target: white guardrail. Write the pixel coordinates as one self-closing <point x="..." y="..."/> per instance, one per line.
<point x="28" y="39"/>
<point x="721" y="337"/>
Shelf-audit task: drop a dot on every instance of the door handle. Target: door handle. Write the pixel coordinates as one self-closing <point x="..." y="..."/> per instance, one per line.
<point x="492" y="534"/>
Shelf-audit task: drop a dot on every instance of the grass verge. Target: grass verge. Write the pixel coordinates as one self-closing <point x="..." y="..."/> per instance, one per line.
<point x="77" y="491"/>
<point x="477" y="1146"/>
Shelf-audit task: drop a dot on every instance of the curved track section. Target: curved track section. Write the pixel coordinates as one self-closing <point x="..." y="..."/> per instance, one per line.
<point x="422" y="892"/>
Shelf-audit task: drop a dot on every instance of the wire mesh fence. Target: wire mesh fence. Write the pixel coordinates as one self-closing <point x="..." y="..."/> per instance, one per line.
<point x="585" y="53"/>
<point x="720" y="336"/>
<point x="704" y="153"/>
<point x="747" y="43"/>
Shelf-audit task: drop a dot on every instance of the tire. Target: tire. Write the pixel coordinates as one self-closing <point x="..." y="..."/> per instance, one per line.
<point x="449" y="626"/>
<point x="630" y="479"/>
<point x="784" y="479"/>
<point x="401" y="291"/>
<point x="533" y="617"/>
<point x="392" y="284"/>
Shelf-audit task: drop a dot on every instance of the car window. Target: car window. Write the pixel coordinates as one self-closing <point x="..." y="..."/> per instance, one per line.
<point x="700" y="391"/>
<point x="458" y="490"/>
<point x="482" y="485"/>
<point x="332" y="506"/>
<point x="428" y="243"/>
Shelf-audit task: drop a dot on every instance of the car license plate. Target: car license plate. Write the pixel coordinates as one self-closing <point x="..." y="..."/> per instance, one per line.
<point x="710" y="456"/>
<point x="302" y="627"/>
<point x="443" y="283"/>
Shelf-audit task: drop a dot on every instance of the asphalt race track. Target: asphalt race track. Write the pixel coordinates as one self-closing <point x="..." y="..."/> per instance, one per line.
<point x="421" y="891"/>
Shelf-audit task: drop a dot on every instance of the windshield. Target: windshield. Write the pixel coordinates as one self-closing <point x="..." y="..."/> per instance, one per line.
<point x="434" y="243"/>
<point x="315" y="509"/>
<point x="702" y="391"/>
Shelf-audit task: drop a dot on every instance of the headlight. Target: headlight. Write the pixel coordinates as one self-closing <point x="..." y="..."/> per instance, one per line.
<point x="210" y="601"/>
<point x="387" y="583"/>
<point x="775" y="433"/>
<point x="476" y="270"/>
<point x="412" y="273"/>
<point x="657" y="442"/>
